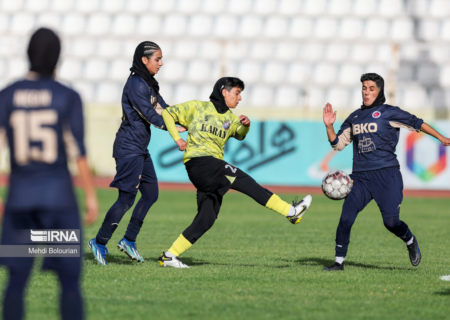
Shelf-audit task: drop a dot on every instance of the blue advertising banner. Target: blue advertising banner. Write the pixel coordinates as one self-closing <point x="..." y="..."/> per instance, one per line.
<point x="295" y="153"/>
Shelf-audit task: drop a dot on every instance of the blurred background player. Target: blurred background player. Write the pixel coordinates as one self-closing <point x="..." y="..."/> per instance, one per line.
<point x="42" y="120"/>
<point x="210" y="125"/>
<point x="376" y="170"/>
<point x="142" y="105"/>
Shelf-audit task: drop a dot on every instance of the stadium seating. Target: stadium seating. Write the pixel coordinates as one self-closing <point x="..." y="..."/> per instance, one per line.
<point x="291" y="48"/>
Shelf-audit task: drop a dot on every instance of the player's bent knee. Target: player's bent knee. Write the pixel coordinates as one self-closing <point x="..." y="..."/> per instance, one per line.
<point x="346" y="223"/>
<point x="391" y="222"/>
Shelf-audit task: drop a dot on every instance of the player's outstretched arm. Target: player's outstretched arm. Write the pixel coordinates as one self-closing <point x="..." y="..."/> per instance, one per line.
<point x="433" y="132"/>
<point x="172" y="128"/>
<point x="89" y="191"/>
<point x="329" y="117"/>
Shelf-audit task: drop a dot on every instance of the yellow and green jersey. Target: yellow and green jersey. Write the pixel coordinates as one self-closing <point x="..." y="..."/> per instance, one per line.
<point x="208" y="130"/>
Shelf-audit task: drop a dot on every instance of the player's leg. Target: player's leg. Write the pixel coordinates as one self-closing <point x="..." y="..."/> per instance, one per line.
<point x="355" y="202"/>
<point x="68" y="269"/>
<point x="208" y="210"/>
<point x="98" y="245"/>
<point x="149" y="195"/>
<point x="19" y="268"/>
<point x="71" y="302"/>
<point x="242" y="182"/>
<point x="387" y="189"/>
<point x="13" y="296"/>
<point x="127" y="180"/>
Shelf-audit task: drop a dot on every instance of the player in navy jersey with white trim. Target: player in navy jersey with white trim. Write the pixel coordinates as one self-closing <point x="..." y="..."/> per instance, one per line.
<point x="42" y="122"/>
<point x="374" y="130"/>
<point x="142" y="105"/>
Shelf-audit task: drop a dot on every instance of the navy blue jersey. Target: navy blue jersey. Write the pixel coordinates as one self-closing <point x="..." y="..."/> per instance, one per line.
<point x="42" y="122"/>
<point x="141" y="108"/>
<point x="375" y="133"/>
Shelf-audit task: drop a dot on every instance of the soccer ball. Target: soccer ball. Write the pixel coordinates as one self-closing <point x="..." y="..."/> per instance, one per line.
<point x="336" y="185"/>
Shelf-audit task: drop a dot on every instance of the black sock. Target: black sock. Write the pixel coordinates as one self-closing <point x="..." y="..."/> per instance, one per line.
<point x="407" y="236"/>
<point x="133" y="229"/>
<point x="105" y="233"/>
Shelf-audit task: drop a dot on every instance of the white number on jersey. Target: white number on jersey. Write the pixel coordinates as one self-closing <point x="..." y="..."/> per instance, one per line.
<point x="27" y="127"/>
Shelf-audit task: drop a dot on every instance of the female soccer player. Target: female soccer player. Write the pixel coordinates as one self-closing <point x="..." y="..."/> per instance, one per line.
<point x="210" y="125"/>
<point x="42" y="122"/>
<point x="376" y="170"/>
<point x="142" y="105"/>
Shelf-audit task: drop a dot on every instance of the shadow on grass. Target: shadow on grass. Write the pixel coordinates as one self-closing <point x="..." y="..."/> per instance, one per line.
<point x="329" y="262"/>
<point x="196" y="262"/>
<point x="116" y="259"/>
<point x="445" y="292"/>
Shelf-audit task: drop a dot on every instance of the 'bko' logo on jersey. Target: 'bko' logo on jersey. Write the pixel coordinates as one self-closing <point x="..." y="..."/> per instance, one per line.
<point x="60" y="236"/>
<point x="365" y="128"/>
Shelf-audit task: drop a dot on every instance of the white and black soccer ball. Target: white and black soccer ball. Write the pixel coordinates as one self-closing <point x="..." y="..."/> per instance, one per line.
<point x="336" y="185"/>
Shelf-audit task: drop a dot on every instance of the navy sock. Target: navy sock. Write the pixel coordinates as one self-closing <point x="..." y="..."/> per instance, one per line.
<point x="105" y="233"/>
<point x="133" y="229"/>
<point x="71" y="302"/>
<point x="341" y="249"/>
<point x="398" y="227"/>
<point x="13" y="297"/>
<point x="407" y="236"/>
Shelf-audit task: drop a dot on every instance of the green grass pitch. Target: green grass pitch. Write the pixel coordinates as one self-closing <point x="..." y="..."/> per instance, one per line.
<point x="253" y="264"/>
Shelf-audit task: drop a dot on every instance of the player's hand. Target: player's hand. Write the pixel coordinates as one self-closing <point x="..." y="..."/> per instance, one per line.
<point x="2" y="210"/>
<point x="92" y="209"/>
<point x="245" y="121"/>
<point x="445" y="141"/>
<point x="181" y="144"/>
<point x="328" y="116"/>
<point x="181" y="129"/>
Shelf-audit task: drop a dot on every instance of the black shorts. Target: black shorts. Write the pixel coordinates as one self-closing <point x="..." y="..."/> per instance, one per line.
<point x="130" y="172"/>
<point x="40" y="218"/>
<point x="210" y="175"/>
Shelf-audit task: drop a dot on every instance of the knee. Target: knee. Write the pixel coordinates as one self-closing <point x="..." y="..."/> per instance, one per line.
<point x="346" y="223"/>
<point x="209" y="221"/>
<point x="128" y="203"/>
<point x="391" y="222"/>
<point x="127" y="200"/>
<point x="149" y="192"/>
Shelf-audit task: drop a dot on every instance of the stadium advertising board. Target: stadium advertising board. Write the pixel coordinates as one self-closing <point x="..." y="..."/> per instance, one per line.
<point x="297" y="153"/>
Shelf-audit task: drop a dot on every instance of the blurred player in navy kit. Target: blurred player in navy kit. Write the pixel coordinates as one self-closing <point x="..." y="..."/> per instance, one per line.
<point x="42" y="121"/>
<point x="374" y="130"/>
<point x="142" y="105"/>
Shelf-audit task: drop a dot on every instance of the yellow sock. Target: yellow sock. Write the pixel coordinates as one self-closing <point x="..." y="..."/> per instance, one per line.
<point x="276" y="204"/>
<point x="180" y="245"/>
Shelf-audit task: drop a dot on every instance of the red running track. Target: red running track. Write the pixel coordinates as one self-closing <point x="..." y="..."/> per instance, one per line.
<point x="103" y="182"/>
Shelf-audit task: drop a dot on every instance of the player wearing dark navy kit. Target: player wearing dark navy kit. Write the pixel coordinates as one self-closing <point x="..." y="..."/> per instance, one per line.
<point x="374" y="130"/>
<point x="142" y="105"/>
<point x="42" y="121"/>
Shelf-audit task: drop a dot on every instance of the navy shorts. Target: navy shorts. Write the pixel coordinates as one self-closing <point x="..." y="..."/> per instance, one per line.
<point x="40" y="218"/>
<point x="385" y="186"/>
<point x="130" y="172"/>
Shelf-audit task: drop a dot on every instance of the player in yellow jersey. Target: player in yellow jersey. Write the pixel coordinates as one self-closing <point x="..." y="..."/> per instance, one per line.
<point x="210" y="124"/>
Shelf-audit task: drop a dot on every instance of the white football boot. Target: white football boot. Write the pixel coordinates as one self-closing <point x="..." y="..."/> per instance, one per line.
<point x="173" y="262"/>
<point x="300" y="209"/>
